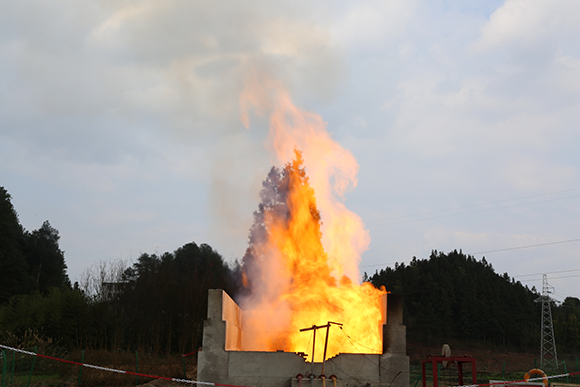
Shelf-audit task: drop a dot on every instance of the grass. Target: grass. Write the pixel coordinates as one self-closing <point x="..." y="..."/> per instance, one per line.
<point x="38" y="380"/>
<point x="49" y="373"/>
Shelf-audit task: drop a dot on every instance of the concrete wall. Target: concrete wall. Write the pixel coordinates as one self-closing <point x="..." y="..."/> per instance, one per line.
<point x="232" y="315"/>
<point x="221" y="360"/>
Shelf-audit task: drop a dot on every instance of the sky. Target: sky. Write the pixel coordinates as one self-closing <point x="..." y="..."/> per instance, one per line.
<point x="120" y="123"/>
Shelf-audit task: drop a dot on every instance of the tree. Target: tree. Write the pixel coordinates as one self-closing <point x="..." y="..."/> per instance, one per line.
<point x="14" y="277"/>
<point x="567" y="324"/>
<point x="59" y="314"/>
<point x="164" y="301"/>
<point x="277" y="207"/>
<point x="45" y="259"/>
<point x="101" y="280"/>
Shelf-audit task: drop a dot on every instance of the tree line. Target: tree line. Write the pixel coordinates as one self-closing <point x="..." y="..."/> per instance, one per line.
<point x="456" y="296"/>
<point x="158" y="303"/>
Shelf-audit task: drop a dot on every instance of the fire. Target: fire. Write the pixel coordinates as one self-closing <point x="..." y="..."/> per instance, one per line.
<point x="300" y="271"/>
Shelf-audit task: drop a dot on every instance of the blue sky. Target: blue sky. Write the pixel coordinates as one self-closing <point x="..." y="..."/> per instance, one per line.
<point x="121" y="123"/>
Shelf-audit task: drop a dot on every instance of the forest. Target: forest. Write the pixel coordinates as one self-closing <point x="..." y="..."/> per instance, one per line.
<point x="158" y="303"/>
<point x="454" y="295"/>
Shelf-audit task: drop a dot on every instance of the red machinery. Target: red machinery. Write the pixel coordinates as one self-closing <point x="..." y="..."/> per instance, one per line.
<point x="459" y="360"/>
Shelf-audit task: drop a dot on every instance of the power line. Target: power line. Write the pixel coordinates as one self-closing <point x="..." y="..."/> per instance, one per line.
<point x="384" y="264"/>
<point x="479" y="205"/>
<point x="461" y="213"/>
<point x="528" y="246"/>
<point x="352" y="341"/>
<point x="566" y="276"/>
<point x="505" y="249"/>
<point x="550" y="272"/>
<point x="568" y="284"/>
<point x="536" y="279"/>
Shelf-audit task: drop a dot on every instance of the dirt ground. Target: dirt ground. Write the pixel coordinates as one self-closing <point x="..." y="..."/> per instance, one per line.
<point x="191" y="374"/>
<point x="162" y="383"/>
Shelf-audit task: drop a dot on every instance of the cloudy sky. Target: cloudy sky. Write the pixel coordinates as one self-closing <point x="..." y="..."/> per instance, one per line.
<point x="120" y="123"/>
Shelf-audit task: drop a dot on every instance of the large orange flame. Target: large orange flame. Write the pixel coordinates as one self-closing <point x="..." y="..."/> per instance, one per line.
<point x="305" y="271"/>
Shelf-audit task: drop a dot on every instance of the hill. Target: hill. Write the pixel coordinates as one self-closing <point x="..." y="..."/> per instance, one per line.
<point x="456" y="297"/>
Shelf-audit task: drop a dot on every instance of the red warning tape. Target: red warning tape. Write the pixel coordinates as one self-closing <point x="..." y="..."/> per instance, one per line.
<point x="518" y="382"/>
<point x="118" y="371"/>
<point x="191" y="353"/>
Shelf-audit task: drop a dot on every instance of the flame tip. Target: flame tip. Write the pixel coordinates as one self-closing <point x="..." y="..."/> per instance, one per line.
<point x="300" y="270"/>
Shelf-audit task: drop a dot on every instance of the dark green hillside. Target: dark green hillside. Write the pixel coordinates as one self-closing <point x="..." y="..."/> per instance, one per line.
<point x="454" y="296"/>
<point x="567" y="325"/>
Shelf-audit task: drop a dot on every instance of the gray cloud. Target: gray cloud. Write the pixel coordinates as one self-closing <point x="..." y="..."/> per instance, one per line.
<point x="120" y="119"/>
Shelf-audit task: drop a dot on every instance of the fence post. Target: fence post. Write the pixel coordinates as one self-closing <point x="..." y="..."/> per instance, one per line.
<point x="3" y="366"/>
<point x="13" y="365"/>
<point x="183" y="361"/>
<point x="503" y="372"/>
<point x="566" y="371"/>
<point x="81" y="370"/>
<point x="32" y="368"/>
<point x="577" y="370"/>
<point x="137" y="368"/>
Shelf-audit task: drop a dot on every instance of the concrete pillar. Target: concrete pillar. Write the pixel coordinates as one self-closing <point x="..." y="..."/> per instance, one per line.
<point x="213" y="360"/>
<point x="394" y="360"/>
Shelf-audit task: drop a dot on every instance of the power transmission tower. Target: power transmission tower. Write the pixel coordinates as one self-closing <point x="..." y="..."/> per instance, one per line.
<point x="548" y="356"/>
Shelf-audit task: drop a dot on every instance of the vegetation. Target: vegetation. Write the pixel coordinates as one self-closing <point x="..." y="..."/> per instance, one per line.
<point x="29" y="261"/>
<point x="456" y="296"/>
<point x="163" y="302"/>
<point x="158" y="304"/>
<point x="567" y="325"/>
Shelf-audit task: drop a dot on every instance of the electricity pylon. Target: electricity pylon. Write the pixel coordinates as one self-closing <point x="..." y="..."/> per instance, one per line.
<point x="548" y="356"/>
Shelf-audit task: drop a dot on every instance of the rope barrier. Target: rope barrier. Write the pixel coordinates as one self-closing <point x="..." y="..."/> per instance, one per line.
<point x="191" y="353"/>
<point x="117" y="371"/>
<point x="523" y="381"/>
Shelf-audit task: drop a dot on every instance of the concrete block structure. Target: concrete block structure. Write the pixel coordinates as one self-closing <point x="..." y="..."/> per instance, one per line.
<point x="222" y="361"/>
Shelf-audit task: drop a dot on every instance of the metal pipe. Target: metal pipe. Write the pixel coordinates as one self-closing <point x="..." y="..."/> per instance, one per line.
<point x="326" y="341"/>
<point x="312" y="328"/>
<point x="323" y="377"/>
<point x="315" y="328"/>
<point x="299" y="377"/>
<point x="325" y="346"/>
<point x="333" y="377"/>
<point x="313" y="346"/>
